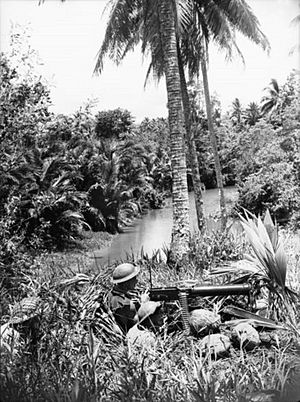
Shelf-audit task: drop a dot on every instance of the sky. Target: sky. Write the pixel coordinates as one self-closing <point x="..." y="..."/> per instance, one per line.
<point x="68" y="36"/>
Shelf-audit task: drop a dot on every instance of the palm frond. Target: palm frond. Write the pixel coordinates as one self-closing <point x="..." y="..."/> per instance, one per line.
<point x="152" y="42"/>
<point x="74" y="216"/>
<point x="296" y="20"/>
<point x="155" y="75"/>
<point x="242" y="18"/>
<point x="267" y="106"/>
<point x="274" y="86"/>
<point x="214" y="18"/>
<point x="121" y="32"/>
<point x="183" y="10"/>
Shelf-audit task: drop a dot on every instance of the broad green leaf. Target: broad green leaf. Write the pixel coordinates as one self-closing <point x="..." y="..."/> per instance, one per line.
<point x="264" y="235"/>
<point x="281" y="264"/>
<point x="268" y="254"/>
<point x="271" y="229"/>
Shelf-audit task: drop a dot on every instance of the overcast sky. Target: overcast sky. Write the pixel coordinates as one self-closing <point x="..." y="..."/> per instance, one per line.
<point x="68" y="35"/>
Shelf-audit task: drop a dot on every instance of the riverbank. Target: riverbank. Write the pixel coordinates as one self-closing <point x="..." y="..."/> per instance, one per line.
<point x="152" y="231"/>
<point x="85" y="257"/>
<point x="149" y="232"/>
<point x="80" y="258"/>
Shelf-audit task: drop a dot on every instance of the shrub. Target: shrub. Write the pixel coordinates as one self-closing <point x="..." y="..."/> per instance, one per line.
<point x="214" y="247"/>
<point x="113" y="123"/>
<point x="272" y="188"/>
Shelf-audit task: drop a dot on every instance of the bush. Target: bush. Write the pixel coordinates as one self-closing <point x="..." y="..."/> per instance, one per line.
<point x="214" y="247"/>
<point x="272" y="188"/>
<point x="268" y="170"/>
<point x="113" y="123"/>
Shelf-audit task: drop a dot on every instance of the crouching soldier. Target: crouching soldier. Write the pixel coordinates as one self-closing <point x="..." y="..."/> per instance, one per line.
<point x="124" y="300"/>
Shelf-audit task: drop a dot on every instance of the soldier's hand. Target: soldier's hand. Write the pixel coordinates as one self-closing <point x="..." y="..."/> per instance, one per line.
<point x="145" y="296"/>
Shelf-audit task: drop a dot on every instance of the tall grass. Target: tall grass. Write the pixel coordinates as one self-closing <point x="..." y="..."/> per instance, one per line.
<point x="79" y="357"/>
<point x="71" y="365"/>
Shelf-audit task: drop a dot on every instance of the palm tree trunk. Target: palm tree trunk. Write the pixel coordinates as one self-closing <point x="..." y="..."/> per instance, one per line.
<point x="181" y="228"/>
<point x="213" y="140"/>
<point x="192" y="146"/>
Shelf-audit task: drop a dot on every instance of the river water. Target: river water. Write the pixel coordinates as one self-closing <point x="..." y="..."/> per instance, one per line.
<point x="152" y="232"/>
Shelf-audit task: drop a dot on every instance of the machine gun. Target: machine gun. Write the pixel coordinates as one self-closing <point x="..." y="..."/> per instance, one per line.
<point x="187" y="290"/>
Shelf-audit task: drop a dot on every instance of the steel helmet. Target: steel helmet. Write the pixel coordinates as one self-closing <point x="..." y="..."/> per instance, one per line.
<point x="125" y="272"/>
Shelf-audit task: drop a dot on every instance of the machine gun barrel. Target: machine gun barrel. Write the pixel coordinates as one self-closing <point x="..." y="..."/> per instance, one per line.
<point x="172" y="293"/>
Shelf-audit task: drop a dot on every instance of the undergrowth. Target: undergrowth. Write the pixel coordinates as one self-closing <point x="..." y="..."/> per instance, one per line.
<point x="76" y="356"/>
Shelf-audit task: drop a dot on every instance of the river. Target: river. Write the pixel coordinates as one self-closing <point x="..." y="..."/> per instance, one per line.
<point x="152" y="231"/>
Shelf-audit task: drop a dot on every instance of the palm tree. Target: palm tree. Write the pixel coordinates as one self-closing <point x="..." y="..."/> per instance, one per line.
<point x="271" y="101"/>
<point x="252" y="114"/>
<point x="214" y="144"/>
<point x="181" y="230"/>
<point x="191" y="127"/>
<point x="122" y="172"/>
<point x="132" y="21"/>
<point x="237" y="112"/>
<point x="217" y="20"/>
<point x="153" y="22"/>
<point x="205" y="20"/>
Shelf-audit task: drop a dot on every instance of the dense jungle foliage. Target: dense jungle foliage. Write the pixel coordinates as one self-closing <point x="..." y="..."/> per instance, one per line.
<point x="62" y="175"/>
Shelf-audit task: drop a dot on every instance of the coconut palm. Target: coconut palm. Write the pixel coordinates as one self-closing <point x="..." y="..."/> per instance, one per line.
<point x="180" y="232"/>
<point x="271" y="101"/>
<point x="209" y="20"/>
<point x="214" y="144"/>
<point x="217" y="21"/>
<point x="252" y="114"/>
<point x="153" y="22"/>
<point x="138" y="20"/>
<point x="191" y="129"/>
<point x="190" y="124"/>
<point x="237" y="112"/>
<point x="213" y="20"/>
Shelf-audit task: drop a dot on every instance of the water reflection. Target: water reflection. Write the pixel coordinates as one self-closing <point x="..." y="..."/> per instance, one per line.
<point x="153" y="231"/>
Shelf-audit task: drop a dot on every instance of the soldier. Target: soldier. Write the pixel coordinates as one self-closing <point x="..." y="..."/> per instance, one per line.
<point x="124" y="301"/>
<point x="150" y="316"/>
<point x="142" y="336"/>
